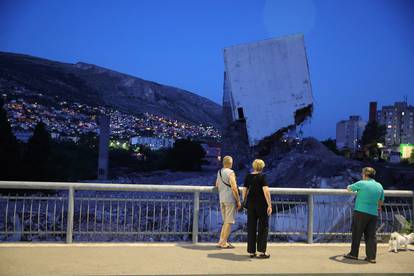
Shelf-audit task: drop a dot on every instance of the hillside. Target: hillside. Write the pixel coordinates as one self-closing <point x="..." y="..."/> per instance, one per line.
<point x="94" y="85"/>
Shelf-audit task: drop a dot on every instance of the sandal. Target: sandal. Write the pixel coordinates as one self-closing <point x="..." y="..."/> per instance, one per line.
<point x="253" y="255"/>
<point x="263" y="256"/>
<point x="229" y="246"/>
<point x="349" y="256"/>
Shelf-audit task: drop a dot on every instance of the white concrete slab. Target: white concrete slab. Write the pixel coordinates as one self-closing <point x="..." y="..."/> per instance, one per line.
<point x="269" y="80"/>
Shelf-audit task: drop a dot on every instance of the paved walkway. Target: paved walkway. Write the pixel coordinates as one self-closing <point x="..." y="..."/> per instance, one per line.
<point x="187" y="259"/>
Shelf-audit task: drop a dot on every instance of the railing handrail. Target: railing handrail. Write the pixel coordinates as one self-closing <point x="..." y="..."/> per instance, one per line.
<point x="195" y="190"/>
<point x="175" y="188"/>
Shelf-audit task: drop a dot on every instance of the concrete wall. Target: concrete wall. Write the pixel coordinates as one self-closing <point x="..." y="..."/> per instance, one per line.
<point x="104" y="133"/>
<point x="269" y="80"/>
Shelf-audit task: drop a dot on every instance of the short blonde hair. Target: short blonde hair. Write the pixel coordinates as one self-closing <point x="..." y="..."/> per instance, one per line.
<point x="369" y="172"/>
<point x="227" y="160"/>
<point x="258" y="165"/>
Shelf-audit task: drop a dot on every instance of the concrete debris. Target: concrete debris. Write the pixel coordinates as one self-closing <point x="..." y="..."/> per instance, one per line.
<point x="309" y="164"/>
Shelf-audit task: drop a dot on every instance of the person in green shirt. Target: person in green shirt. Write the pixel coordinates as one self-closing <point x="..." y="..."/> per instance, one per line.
<point x="369" y="199"/>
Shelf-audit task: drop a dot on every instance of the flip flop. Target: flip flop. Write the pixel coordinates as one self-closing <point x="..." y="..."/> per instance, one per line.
<point x="229" y="246"/>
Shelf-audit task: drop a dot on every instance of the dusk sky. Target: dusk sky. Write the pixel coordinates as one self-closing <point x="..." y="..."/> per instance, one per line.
<point x="358" y="51"/>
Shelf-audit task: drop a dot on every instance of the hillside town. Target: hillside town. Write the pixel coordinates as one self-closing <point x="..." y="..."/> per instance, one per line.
<point x="69" y="120"/>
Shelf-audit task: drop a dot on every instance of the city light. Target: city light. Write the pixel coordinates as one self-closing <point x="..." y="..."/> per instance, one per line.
<point x="73" y="120"/>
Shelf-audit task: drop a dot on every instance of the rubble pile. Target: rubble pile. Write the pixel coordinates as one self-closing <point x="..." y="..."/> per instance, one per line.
<point x="308" y="164"/>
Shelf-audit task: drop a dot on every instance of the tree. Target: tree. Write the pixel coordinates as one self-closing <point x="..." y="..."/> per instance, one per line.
<point x="72" y="161"/>
<point x="145" y="151"/>
<point x="37" y="155"/>
<point x="186" y="155"/>
<point x="346" y="152"/>
<point x="331" y="144"/>
<point x="9" y="151"/>
<point x="371" y="137"/>
<point x="122" y="158"/>
<point x="88" y="141"/>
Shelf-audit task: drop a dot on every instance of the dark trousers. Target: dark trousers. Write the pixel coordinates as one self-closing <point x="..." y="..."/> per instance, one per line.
<point x="363" y="223"/>
<point x="257" y="229"/>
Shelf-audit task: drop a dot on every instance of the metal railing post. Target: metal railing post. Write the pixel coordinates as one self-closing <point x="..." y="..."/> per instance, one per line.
<point x="71" y="207"/>
<point x="310" y="218"/>
<point x="195" y="216"/>
<point x="412" y="214"/>
<point x="58" y="213"/>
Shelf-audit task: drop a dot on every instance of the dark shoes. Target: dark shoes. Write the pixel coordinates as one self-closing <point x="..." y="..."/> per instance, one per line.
<point x="349" y="256"/>
<point x="372" y="261"/>
<point x="263" y="256"/>
<point x="260" y="256"/>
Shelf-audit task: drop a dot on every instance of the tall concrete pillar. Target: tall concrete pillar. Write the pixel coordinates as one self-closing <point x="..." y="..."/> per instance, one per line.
<point x="372" y="112"/>
<point x="104" y="133"/>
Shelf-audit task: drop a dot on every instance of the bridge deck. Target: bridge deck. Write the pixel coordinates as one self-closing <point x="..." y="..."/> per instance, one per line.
<point x="181" y="259"/>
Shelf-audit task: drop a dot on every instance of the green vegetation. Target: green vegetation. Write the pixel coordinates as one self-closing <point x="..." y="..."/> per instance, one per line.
<point x="373" y="135"/>
<point x="74" y="161"/>
<point x="407" y="228"/>
<point x="331" y="144"/>
<point x="36" y="160"/>
<point x="186" y="155"/>
<point x="9" y="151"/>
<point x="43" y="159"/>
<point x="412" y="157"/>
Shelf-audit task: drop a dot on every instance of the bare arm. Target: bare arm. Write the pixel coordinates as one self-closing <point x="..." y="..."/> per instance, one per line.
<point x="354" y="187"/>
<point x="234" y="188"/>
<point x="217" y="182"/>
<point x="267" y="195"/>
<point x="268" y="199"/>
<point x="381" y="200"/>
<point x="244" y="191"/>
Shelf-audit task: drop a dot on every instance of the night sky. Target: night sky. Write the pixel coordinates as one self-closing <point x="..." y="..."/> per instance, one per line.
<point x="358" y="51"/>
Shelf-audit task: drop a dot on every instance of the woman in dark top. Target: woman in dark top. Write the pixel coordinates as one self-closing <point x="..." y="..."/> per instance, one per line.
<point x="259" y="208"/>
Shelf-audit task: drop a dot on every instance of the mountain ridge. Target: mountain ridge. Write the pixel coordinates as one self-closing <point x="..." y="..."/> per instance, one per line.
<point x="92" y="84"/>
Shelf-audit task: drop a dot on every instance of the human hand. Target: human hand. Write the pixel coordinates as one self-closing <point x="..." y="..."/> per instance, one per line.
<point x="269" y="210"/>
<point x="238" y="205"/>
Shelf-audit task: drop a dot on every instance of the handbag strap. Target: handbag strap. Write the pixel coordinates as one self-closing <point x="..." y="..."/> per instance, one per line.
<point x="228" y="185"/>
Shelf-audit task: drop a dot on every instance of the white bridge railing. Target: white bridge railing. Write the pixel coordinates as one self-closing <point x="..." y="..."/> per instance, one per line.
<point x="92" y="209"/>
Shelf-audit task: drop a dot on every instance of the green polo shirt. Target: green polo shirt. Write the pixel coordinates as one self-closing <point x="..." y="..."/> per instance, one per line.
<point x="368" y="194"/>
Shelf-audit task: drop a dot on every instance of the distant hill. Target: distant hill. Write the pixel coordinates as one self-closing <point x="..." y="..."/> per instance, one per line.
<point x="98" y="86"/>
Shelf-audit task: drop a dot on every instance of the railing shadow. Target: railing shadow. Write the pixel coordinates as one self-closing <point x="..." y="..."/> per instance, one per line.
<point x="200" y="247"/>
<point x="230" y="257"/>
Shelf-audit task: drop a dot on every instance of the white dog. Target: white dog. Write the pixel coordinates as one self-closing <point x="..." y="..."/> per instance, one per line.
<point x="398" y="241"/>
